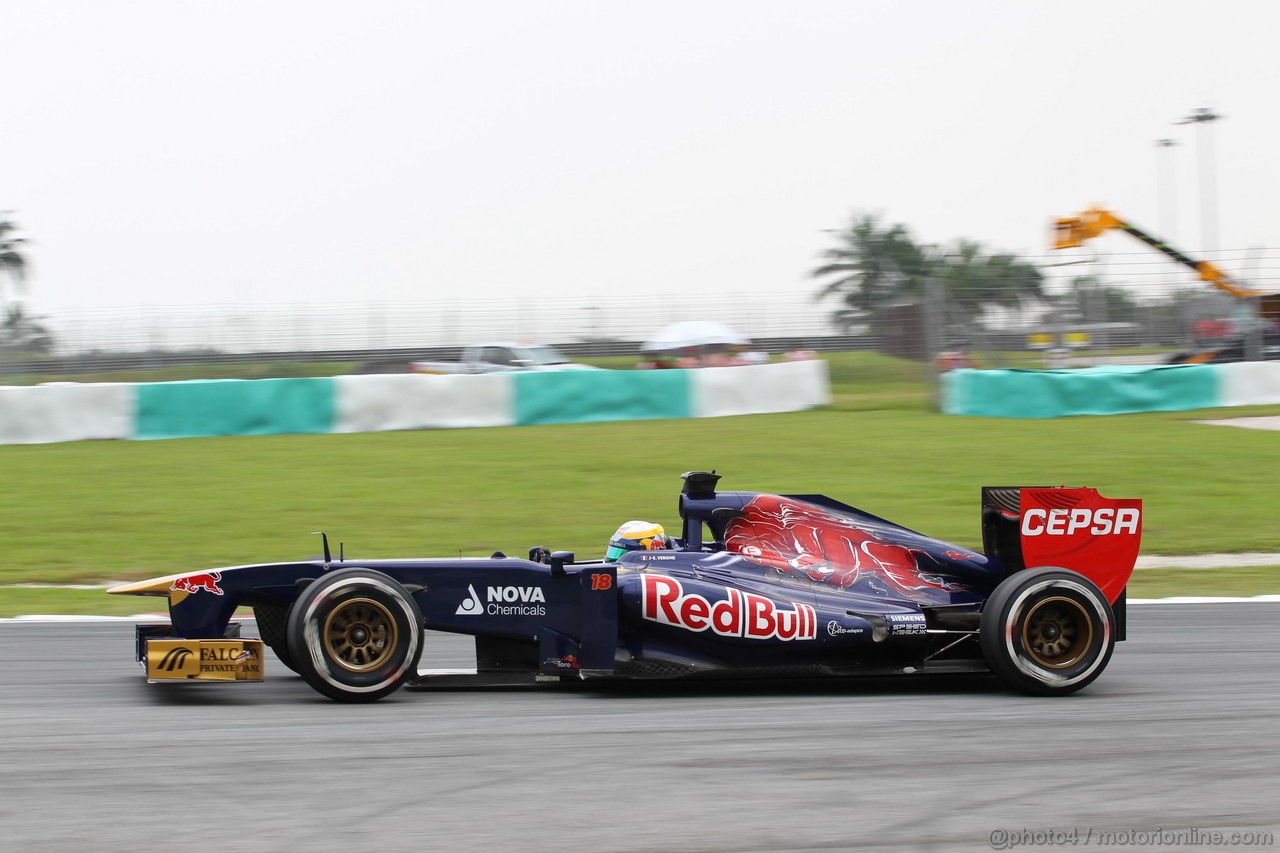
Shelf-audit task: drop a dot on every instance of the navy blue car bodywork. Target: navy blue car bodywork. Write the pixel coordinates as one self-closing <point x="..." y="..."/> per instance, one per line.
<point x="756" y="584"/>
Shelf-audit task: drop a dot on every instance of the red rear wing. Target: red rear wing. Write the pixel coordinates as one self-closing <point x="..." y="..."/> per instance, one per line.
<point x="1071" y="528"/>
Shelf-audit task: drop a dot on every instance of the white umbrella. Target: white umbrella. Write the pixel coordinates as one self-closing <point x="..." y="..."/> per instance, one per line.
<point x="700" y="334"/>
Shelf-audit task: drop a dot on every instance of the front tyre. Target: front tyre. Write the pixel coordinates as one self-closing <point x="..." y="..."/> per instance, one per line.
<point x="1047" y="631"/>
<point x="355" y="635"/>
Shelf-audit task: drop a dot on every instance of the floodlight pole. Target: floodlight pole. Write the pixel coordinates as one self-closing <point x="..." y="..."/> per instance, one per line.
<point x="1204" y="117"/>
<point x="934" y="318"/>
<point x="1166" y="192"/>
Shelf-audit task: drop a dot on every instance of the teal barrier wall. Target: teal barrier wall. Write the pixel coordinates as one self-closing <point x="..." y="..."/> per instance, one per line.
<point x="1090" y="391"/>
<point x="234" y="407"/>
<point x="589" y="396"/>
<point x="224" y="407"/>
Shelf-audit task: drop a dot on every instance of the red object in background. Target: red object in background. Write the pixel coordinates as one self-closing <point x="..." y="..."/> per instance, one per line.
<point x="952" y="360"/>
<point x="1211" y="328"/>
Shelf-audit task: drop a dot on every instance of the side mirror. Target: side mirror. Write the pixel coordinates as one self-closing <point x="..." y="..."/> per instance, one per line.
<point x="560" y="559"/>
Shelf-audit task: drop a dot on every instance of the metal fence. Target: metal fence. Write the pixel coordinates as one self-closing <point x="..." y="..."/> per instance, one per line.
<point x="365" y="325"/>
<point x="1094" y="303"/>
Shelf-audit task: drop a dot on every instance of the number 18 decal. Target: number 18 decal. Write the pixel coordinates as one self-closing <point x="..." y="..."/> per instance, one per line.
<point x="599" y="582"/>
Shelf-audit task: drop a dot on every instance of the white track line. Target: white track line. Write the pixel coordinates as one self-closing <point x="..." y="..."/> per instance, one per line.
<point x="1208" y="561"/>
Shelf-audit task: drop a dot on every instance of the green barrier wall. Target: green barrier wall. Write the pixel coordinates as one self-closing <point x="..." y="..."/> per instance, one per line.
<point x="587" y="396"/>
<point x="234" y="407"/>
<point x="1110" y="390"/>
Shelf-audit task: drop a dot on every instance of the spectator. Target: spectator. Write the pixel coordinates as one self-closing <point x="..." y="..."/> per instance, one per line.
<point x="952" y="360"/>
<point x="719" y="359"/>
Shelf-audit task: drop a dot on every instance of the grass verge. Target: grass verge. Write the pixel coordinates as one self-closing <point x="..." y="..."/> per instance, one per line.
<point x="89" y="511"/>
<point x="1167" y="583"/>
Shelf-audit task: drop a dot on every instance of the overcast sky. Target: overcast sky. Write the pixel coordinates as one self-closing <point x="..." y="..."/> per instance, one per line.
<point x="180" y="152"/>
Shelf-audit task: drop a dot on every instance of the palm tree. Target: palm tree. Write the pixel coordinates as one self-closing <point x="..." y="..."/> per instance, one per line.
<point x="974" y="281"/>
<point x="13" y="264"/>
<point x="871" y="267"/>
<point x="1093" y="301"/>
<point x="21" y="332"/>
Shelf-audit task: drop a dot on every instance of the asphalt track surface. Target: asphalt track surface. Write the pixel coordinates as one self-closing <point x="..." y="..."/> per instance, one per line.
<point x="1179" y="733"/>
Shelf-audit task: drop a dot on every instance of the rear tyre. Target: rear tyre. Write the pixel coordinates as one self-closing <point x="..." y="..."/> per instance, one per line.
<point x="355" y="635"/>
<point x="1047" y="631"/>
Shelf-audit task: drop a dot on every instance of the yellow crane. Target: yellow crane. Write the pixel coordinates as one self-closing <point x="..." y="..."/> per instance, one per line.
<point x="1072" y="231"/>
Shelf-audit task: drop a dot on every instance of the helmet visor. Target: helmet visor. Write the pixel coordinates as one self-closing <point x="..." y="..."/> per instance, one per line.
<point x="618" y="547"/>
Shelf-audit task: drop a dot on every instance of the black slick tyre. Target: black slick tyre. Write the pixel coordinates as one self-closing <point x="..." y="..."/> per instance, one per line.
<point x="1047" y="631"/>
<point x="355" y="635"/>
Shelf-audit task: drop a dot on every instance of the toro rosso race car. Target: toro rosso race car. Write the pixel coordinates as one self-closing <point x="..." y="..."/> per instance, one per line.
<point x="756" y="585"/>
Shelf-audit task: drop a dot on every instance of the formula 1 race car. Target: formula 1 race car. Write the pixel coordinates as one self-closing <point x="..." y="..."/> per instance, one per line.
<point x="756" y="585"/>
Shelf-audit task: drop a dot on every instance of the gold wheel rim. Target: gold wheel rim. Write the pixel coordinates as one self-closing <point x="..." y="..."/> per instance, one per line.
<point x="360" y="635"/>
<point x="1057" y="632"/>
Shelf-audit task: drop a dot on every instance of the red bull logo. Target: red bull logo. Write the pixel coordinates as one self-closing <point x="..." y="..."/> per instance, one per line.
<point x="741" y="614"/>
<point x="206" y="581"/>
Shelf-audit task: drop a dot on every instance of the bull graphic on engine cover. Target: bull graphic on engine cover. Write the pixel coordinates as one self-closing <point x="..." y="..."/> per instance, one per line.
<point x="793" y="536"/>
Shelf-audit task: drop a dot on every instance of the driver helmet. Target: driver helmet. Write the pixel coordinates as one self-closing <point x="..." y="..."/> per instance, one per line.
<point x="637" y="536"/>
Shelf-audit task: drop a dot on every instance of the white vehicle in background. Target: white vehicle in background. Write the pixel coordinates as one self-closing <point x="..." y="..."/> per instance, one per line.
<point x="501" y="358"/>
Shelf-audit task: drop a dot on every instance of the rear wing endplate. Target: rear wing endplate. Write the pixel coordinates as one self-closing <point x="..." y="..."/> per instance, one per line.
<point x="1067" y="527"/>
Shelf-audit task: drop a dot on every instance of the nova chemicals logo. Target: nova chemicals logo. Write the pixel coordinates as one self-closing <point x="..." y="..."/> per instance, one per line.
<point x="505" y="601"/>
<point x="515" y="601"/>
<point x="174" y="659"/>
<point x="472" y="606"/>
